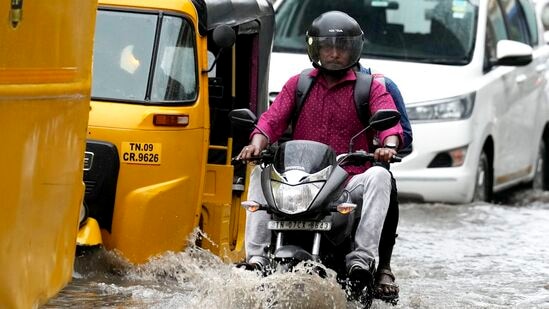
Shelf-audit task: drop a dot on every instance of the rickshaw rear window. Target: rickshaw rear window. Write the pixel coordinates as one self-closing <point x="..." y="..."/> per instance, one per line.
<point x="128" y="67"/>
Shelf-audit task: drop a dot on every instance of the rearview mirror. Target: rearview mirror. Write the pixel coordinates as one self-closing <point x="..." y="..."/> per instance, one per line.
<point x="384" y="119"/>
<point x="381" y="120"/>
<point x="242" y="117"/>
<point x="513" y="53"/>
<point x="224" y="37"/>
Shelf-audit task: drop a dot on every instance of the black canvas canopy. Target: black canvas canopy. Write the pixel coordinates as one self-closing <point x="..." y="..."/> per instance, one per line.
<point x="245" y="17"/>
<point x="233" y="13"/>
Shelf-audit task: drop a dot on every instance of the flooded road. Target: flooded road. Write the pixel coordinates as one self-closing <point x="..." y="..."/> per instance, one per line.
<point x="447" y="256"/>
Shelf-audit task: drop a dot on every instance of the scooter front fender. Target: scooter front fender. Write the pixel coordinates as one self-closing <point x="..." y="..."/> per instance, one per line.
<point x="292" y="252"/>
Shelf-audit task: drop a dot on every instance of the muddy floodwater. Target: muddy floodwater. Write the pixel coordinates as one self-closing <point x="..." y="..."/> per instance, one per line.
<point x="446" y="256"/>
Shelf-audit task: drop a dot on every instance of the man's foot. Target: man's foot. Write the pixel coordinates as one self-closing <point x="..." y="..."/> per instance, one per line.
<point x="360" y="282"/>
<point x="256" y="263"/>
<point x="249" y="266"/>
<point x="385" y="287"/>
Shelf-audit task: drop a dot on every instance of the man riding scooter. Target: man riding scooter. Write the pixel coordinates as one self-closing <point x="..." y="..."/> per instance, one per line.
<point x="329" y="116"/>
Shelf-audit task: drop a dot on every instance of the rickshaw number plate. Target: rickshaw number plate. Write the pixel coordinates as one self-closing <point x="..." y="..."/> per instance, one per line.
<point x="300" y="225"/>
<point x="142" y="153"/>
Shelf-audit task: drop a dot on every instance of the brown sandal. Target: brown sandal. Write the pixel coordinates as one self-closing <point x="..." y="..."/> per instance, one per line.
<point x="385" y="287"/>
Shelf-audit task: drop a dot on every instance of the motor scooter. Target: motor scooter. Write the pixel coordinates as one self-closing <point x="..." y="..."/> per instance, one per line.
<point x="312" y="217"/>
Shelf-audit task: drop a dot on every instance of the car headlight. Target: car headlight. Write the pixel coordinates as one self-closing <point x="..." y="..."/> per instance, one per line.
<point x="455" y="108"/>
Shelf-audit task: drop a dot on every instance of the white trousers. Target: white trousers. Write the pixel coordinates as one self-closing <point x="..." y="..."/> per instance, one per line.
<point x="370" y="191"/>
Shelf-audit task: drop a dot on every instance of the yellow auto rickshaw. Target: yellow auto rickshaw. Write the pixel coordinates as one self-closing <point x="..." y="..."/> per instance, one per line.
<point x="45" y="80"/>
<point x="166" y="73"/>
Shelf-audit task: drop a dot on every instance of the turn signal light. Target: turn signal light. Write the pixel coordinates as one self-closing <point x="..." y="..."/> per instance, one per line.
<point x="251" y="206"/>
<point x="171" y="120"/>
<point x="345" y="208"/>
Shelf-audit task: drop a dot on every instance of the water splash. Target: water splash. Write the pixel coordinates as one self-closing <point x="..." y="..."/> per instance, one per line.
<point x="196" y="278"/>
<point x="446" y="256"/>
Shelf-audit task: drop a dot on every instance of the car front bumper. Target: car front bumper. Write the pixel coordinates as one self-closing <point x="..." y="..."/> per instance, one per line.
<point x="417" y="181"/>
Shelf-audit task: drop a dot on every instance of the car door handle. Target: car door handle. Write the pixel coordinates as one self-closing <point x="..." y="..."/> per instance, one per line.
<point x="521" y="78"/>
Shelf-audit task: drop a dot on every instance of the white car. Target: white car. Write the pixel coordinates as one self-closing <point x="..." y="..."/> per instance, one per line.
<point x="473" y="74"/>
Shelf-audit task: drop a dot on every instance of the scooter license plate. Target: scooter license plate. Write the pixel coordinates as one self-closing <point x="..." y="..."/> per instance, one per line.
<point x="300" y="225"/>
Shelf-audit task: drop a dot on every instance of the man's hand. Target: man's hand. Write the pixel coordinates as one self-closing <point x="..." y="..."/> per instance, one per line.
<point x="248" y="152"/>
<point x="384" y="154"/>
<point x="388" y="151"/>
<point x="258" y="143"/>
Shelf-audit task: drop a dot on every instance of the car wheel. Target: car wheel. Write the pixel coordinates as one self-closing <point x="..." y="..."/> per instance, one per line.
<point x="483" y="183"/>
<point x="541" y="174"/>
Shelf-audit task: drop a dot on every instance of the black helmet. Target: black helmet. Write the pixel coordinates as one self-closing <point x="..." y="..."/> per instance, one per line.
<point x="338" y="30"/>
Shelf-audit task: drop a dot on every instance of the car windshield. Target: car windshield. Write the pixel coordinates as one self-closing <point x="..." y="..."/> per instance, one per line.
<point x="124" y="53"/>
<point x="432" y="31"/>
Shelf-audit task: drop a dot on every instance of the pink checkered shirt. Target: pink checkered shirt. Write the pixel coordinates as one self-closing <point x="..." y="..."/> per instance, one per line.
<point x="328" y="114"/>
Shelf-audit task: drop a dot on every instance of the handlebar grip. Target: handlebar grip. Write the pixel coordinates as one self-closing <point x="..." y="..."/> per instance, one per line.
<point x="370" y="157"/>
<point x="243" y="161"/>
<point x="237" y="161"/>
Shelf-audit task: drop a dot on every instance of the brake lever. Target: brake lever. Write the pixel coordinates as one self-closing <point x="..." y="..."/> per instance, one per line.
<point x="265" y="157"/>
<point x="236" y="160"/>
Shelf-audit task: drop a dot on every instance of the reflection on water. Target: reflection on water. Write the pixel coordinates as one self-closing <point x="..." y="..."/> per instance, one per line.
<point x="447" y="256"/>
<point x="475" y="256"/>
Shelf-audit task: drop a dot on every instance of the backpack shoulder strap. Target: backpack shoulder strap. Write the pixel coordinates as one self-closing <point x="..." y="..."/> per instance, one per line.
<point x="304" y="84"/>
<point x="362" y="96"/>
<point x="380" y="78"/>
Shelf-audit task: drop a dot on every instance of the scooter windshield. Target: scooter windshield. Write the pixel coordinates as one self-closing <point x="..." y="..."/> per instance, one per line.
<point x="307" y="156"/>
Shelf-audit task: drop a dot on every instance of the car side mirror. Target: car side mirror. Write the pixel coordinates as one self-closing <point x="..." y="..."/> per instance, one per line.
<point x="513" y="53"/>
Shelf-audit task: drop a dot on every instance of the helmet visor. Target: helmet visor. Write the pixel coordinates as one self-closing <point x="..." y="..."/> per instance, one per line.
<point x="335" y="53"/>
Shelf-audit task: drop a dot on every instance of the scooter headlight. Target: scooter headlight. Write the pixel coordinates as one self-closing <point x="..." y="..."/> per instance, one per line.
<point x="294" y="191"/>
<point x="294" y="199"/>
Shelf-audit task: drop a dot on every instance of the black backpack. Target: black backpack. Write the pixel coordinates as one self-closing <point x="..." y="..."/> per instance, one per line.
<point x="361" y="94"/>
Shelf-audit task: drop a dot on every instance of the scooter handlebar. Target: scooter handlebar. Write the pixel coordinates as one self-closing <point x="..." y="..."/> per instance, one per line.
<point x="358" y="157"/>
<point x="266" y="156"/>
<point x="361" y="157"/>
